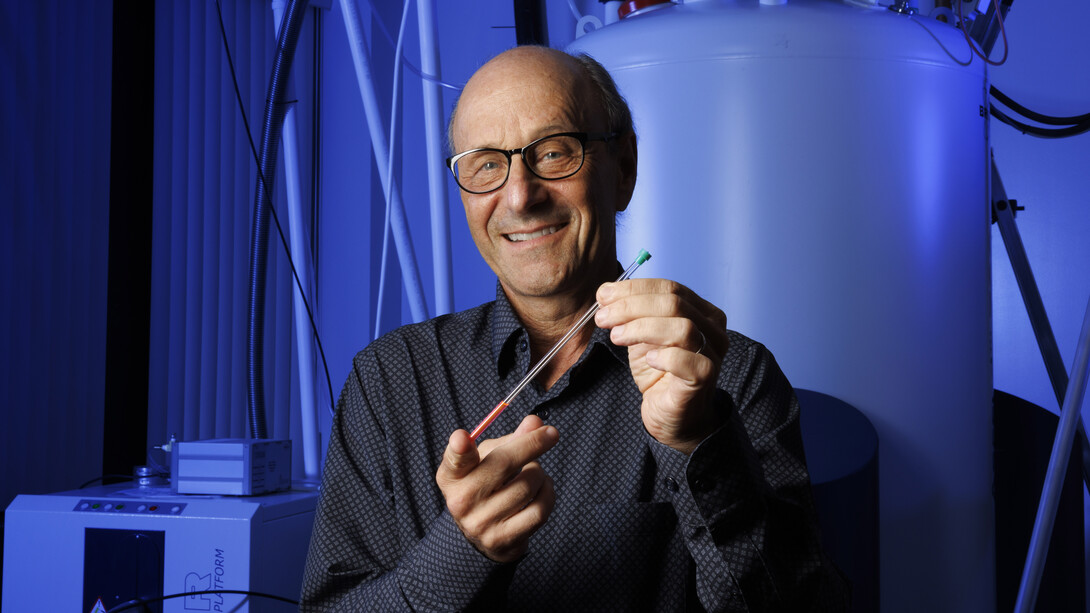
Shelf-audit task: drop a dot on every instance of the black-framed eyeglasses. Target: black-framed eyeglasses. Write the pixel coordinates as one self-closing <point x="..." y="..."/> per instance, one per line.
<point x="556" y="156"/>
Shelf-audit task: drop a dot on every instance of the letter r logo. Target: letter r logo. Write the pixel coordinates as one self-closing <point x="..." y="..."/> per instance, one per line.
<point x="198" y="583"/>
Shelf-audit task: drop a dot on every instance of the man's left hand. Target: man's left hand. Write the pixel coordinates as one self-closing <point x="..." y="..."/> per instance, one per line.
<point x="676" y="341"/>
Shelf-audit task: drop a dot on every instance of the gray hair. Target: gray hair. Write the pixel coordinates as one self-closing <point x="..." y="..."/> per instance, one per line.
<point x="613" y="103"/>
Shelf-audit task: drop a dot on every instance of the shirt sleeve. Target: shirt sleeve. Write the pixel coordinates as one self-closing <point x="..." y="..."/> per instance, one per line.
<point x="743" y="500"/>
<point x="360" y="558"/>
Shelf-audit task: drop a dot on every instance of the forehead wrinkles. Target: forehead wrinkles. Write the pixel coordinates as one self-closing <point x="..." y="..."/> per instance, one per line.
<point x="515" y="124"/>
<point x="514" y="100"/>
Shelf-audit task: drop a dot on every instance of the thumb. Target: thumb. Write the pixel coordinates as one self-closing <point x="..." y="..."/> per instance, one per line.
<point x="460" y="456"/>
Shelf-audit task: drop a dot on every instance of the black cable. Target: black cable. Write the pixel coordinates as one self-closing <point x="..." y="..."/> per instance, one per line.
<point x="1040" y="132"/>
<point x="1051" y="120"/>
<point x="316" y="147"/>
<point x="136" y="602"/>
<point x="272" y="209"/>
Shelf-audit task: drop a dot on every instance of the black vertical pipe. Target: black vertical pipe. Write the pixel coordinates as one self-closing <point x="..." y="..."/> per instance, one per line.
<point x="128" y="298"/>
<point x="529" y="23"/>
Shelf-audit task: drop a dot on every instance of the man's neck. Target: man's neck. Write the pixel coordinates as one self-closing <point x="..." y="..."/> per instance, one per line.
<point x="547" y="320"/>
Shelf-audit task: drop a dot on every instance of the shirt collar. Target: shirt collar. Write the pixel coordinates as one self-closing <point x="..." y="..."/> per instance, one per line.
<point x="507" y="330"/>
<point x="506" y="327"/>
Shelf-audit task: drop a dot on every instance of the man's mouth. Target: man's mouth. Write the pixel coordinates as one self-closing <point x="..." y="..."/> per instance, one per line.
<point x="515" y="237"/>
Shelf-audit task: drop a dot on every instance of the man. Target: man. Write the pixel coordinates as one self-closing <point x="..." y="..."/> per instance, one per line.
<point x="655" y="464"/>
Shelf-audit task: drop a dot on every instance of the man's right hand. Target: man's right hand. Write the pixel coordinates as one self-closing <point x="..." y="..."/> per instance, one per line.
<point x="498" y="494"/>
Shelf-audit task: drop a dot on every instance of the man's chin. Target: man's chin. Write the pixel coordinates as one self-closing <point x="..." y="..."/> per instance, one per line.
<point x="538" y="285"/>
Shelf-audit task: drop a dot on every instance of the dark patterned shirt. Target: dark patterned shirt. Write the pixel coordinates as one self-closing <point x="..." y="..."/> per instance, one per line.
<point x="636" y="525"/>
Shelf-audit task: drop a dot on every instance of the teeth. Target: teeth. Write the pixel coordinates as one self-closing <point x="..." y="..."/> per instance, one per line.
<point x="532" y="235"/>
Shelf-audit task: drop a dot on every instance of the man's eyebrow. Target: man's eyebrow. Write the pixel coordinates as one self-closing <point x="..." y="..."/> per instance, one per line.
<point x="549" y="130"/>
<point x="553" y="128"/>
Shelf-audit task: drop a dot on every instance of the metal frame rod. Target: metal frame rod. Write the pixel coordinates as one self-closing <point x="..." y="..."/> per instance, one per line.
<point x="442" y="263"/>
<point x="304" y="343"/>
<point x="1003" y="210"/>
<point x="1057" y="463"/>
<point x="410" y="273"/>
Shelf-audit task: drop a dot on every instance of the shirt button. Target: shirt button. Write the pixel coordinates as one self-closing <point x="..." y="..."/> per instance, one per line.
<point x="703" y="485"/>
<point x="543" y="414"/>
<point x="671" y="485"/>
<point x="523" y="345"/>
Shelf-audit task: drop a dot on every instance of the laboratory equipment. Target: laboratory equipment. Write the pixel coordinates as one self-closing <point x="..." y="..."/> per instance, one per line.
<point x="827" y="164"/>
<point x="66" y="551"/>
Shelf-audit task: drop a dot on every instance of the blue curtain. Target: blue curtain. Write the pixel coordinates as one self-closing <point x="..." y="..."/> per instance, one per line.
<point x="204" y="190"/>
<point x="55" y="66"/>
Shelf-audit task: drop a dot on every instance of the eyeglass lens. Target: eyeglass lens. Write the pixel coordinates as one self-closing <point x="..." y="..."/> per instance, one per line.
<point x="555" y="157"/>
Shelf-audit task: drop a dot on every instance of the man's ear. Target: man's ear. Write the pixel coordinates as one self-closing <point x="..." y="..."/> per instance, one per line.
<point x="626" y="165"/>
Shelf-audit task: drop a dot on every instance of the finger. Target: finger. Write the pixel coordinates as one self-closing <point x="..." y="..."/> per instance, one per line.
<point x="660" y="331"/>
<point x="689" y="368"/>
<point x="609" y="293"/>
<point x="491" y="507"/>
<point x="459" y="458"/>
<point x="506" y="540"/>
<point x="491" y="473"/>
<point x="671" y="332"/>
<point x="516" y="494"/>
<point x="503" y="462"/>
<point x="528" y="424"/>
<point x="507" y="460"/>
<point x="534" y="514"/>
<point x="627" y="300"/>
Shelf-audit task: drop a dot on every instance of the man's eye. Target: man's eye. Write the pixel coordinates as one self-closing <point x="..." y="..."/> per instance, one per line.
<point x="484" y="165"/>
<point x="551" y="154"/>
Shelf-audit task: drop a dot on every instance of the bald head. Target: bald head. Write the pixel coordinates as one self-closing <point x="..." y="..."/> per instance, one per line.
<point x="521" y="69"/>
<point x="550" y="241"/>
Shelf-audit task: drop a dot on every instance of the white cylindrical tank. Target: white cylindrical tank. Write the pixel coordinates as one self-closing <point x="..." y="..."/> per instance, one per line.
<point x="820" y="171"/>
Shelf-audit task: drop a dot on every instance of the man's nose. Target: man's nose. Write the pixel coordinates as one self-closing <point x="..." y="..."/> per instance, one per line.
<point x="524" y="189"/>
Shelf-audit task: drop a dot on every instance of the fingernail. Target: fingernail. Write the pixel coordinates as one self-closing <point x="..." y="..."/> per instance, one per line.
<point x="606" y="291"/>
<point x="652" y="356"/>
<point x="602" y="315"/>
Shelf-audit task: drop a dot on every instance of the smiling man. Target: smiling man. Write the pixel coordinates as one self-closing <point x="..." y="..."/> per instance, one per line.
<point x="655" y="464"/>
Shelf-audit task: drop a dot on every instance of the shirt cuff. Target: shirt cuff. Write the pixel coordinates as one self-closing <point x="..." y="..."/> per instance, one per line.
<point x="718" y="479"/>
<point x="445" y="570"/>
